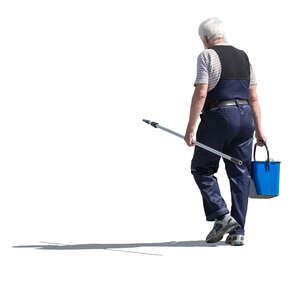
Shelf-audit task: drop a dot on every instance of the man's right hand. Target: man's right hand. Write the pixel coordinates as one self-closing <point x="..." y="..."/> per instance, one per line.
<point x="260" y="138"/>
<point x="189" y="137"/>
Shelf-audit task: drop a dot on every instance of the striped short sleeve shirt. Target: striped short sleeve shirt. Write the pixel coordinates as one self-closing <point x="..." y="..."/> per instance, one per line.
<point x="209" y="68"/>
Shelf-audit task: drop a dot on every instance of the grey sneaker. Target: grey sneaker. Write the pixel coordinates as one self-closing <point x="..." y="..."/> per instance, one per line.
<point x="220" y="228"/>
<point x="235" y="239"/>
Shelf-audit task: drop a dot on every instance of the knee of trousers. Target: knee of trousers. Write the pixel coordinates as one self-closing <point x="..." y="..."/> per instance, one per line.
<point x="203" y="168"/>
<point x="204" y="162"/>
<point x="205" y="180"/>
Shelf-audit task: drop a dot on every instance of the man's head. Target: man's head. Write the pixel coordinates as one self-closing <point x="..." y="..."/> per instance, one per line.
<point x="211" y="32"/>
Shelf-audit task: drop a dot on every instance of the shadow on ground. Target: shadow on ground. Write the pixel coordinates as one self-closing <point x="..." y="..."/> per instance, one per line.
<point x="56" y="246"/>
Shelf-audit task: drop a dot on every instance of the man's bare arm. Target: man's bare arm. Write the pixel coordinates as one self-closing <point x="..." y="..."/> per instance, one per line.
<point x="197" y="104"/>
<point x="253" y="100"/>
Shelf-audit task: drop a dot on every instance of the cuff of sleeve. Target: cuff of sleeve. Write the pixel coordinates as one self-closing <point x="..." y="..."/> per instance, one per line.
<point x="200" y="82"/>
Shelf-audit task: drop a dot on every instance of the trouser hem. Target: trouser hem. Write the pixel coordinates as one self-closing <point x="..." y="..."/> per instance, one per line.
<point x="238" y="231"/>
<point x="217" y="213"/>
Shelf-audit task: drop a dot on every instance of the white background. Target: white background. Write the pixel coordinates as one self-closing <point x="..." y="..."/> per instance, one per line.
<point x="78" y="166"/>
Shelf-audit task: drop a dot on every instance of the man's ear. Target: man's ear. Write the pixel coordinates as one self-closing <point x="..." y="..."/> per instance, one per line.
<point x="206" y="41"/>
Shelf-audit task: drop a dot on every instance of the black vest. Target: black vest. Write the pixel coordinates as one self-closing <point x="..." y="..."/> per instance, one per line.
<point x="235" y="75"/>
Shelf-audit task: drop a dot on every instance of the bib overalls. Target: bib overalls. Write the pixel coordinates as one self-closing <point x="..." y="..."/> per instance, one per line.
<point x="228" y="129"/>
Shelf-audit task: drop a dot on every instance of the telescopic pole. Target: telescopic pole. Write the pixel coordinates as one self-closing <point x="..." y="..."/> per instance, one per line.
<point x="232" y="159"/>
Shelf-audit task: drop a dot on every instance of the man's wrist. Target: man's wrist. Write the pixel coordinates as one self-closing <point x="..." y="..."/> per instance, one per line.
<point x="191" y="127"/>
<point x="258" y="130"/>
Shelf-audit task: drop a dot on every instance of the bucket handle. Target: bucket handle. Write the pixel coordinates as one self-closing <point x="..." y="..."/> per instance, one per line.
<point x="268" y="155"/>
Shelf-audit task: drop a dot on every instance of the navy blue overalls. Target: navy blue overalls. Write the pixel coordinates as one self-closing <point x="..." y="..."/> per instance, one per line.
<point x="228" y="129"/>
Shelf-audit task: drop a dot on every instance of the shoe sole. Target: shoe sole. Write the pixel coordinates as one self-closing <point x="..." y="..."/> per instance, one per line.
<point x="235" y="243"/>
<point x="222" y="232"/>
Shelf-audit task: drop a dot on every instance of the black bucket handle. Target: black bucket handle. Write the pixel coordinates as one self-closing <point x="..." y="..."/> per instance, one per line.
<point x="268" y="155"/>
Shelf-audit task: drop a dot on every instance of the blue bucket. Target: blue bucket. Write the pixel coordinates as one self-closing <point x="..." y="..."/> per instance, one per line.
<point x="265" y="175"/>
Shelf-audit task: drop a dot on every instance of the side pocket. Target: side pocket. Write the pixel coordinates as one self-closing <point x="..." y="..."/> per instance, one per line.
<point x="200" y="128"/>
<point x="252" y="118"/>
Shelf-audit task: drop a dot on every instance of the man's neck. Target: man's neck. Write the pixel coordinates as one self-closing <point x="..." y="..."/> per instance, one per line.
<point x="218" y="41"/>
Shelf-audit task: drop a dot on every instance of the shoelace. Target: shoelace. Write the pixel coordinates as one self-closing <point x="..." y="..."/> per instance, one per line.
<point x="217" y="225"/>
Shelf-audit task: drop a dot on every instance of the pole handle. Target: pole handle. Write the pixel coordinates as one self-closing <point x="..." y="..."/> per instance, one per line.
<point x="236" y="161"/>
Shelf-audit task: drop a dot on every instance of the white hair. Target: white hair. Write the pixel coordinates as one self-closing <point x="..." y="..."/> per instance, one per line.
<point x="213" y="28"/>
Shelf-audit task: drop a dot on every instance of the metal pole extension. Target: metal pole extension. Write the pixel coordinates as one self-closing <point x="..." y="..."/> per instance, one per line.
<point x="232" y="159"/>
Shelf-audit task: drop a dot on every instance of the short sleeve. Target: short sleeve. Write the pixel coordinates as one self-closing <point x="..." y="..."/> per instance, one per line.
<point x="202" y="69"/>
<point x="252" y="76"/>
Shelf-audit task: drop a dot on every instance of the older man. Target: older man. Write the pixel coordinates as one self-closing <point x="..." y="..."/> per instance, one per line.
<point x="225" y="92"/>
